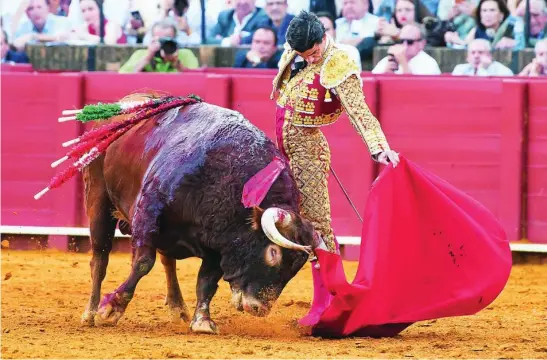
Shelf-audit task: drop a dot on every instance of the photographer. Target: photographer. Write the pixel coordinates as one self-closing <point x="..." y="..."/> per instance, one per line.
<point x="162" y="54"/>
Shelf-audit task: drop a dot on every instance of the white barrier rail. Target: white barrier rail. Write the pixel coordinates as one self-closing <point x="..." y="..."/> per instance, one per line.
<point x="79" y="231"/>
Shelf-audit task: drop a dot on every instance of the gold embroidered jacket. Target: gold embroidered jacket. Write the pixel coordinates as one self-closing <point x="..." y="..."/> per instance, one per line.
<point x="307" y="98"/>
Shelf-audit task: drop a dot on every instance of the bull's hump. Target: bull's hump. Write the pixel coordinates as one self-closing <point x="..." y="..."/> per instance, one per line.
<point x="209" y="125"/>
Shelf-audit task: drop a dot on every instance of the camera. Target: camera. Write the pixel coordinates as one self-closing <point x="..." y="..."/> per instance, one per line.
<point x="435" y="30"/>
<point x="168" y="45"/>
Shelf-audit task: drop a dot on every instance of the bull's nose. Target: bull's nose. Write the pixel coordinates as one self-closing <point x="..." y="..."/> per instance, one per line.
<point x="256" y="308"/>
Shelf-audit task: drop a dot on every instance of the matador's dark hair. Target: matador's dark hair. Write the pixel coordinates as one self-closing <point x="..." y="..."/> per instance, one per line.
<point x="304" y="31"/>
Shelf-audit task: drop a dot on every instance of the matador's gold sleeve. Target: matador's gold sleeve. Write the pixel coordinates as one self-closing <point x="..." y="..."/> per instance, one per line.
<point x="351" y="95"/>
<point x="341" y="73"/>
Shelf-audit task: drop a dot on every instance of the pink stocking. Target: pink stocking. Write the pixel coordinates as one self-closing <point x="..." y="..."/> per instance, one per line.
<point x="321" y="299"/>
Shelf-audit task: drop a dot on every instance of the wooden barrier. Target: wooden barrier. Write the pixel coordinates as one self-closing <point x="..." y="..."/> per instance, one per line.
<point x="476" y="139"/>
<point x="112" y="57"/>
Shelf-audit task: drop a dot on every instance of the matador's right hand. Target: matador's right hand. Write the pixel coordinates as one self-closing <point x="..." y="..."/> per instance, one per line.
<point x="389" y="156"/>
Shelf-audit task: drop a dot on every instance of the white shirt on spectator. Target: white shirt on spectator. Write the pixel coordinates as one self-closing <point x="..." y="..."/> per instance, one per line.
<point x="364" y="27"/>
<point x="421" y="64"/>
<point x="353" y="53"/>
<point x="237" y="28"/>
<point x="495" y="69"/>
<point x="54" y="25"/>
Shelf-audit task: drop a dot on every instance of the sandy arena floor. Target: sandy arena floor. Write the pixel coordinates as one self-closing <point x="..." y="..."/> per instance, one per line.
<point x="43" y="299"/>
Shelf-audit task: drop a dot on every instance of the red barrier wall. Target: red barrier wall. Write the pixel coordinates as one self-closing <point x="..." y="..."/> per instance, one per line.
<point x="108" y="86"/>
<point x="464" y="131"/>
<point x="537" y="162"/>
<point x="31" y="141"/>
<point x="474" y="140"/>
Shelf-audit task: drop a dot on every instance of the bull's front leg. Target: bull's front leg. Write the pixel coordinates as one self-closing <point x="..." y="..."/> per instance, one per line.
<point x="207" y="285"/>
<point x="177" y="307"/>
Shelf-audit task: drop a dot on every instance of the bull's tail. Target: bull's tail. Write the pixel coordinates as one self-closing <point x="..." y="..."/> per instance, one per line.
<point x="93" y="143"/>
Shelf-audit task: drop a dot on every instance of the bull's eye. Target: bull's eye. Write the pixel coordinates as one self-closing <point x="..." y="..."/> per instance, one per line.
<point x="272" y="256"/>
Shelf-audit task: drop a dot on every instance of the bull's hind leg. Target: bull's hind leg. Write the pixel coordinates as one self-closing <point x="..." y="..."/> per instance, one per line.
<point x="177" y="307"/>
<point x="145" y="230"/>
<point x="102" y="226"/>
<point x="114" y="304"/>
<point x="209" y="275"/>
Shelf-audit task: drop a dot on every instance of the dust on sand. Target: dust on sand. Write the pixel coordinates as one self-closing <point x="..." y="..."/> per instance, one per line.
<point x="47" y="292"/>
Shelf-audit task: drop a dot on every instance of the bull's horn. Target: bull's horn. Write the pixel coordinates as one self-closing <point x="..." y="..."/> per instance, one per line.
<point x="268" y="220"/>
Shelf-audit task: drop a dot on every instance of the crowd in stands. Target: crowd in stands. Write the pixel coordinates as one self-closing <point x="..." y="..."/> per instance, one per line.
<point x="165" y="27"/>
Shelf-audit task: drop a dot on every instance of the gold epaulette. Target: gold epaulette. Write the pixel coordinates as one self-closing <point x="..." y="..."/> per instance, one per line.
<point x="338" y="66"/>
<point x="286" y="58"/>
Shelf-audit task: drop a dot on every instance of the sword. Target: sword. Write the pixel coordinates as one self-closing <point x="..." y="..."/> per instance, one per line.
<point x="345" y="193"/>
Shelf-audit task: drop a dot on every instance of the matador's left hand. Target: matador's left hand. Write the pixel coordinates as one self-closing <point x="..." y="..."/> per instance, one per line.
<point x="389" y="156"/>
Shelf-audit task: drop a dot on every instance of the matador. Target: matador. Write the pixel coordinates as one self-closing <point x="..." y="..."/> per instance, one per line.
<point x="316" y="82"/>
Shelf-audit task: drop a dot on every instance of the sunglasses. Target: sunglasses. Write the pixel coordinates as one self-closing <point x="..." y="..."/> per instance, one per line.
<point x="408" y="41"/>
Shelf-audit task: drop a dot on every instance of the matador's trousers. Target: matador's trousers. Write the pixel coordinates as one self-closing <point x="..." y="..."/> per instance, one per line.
<point x="308" y="153"/>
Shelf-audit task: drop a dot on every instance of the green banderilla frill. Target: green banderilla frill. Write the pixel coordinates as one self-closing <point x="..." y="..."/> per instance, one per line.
<point x="99" y="112"/>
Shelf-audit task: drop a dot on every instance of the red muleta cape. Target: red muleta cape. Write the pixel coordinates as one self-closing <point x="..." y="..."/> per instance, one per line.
<point x="427" y="251"/>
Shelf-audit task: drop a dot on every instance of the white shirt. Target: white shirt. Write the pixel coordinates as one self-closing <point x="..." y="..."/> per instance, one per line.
<point x="237" y="28"/>
<point x="495" y="69"/>
<point x="421" y="64"/>
<point x="363" y="28"/>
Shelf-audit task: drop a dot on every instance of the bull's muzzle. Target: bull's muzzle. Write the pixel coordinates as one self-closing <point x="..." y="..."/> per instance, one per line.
<point x="250" y="304"/>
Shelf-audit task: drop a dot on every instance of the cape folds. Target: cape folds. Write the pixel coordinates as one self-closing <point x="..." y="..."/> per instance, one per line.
<point x="427" y="251"/>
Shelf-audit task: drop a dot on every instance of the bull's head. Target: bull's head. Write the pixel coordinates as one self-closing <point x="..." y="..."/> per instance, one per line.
<point x="266" y="258"/>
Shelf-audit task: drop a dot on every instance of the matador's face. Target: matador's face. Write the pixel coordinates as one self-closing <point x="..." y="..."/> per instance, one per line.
<point x="315" y="54"/>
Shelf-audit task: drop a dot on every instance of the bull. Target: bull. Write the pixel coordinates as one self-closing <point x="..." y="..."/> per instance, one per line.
<point x="174" y="182"/>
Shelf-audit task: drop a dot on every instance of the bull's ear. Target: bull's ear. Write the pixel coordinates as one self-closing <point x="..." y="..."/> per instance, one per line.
<point x="255" y="217"/>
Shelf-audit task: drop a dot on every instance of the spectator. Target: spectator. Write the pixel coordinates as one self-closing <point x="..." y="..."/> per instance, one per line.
<point x="495" y="24"/>
<point x="538" y="66"/>
<point x="461" y="14"/>
<point x="333" y="7"/>
<point x="114" y="10"/>
<point x="356" y="23"/>
<point x="234" y="25"/>
<point x="480" y="62"/>
<point x="409" y="56"/>
<point x="89" y="32"/>
<point x="538" y="21"/>
<point x="405" y="13"/>
<point x="41" y="26"/>
<point x="155" y="59"/>
<point x="59" y="7"/>
<point x="213" y="9"/>
<point x="330" y="28"/>
<point x="9" y="55"/>
<point x="263" y="53"/>
<point x="178" y="11"/>
<point x="278" y="19"/>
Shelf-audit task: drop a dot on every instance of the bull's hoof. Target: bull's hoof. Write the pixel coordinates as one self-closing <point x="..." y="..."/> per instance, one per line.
<point x="177" y="310"/>
<point x="88" y="318"/>
<point x="178" y="314"/>
<point x="204" y="325"/>
<point x="107" y="315"/>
